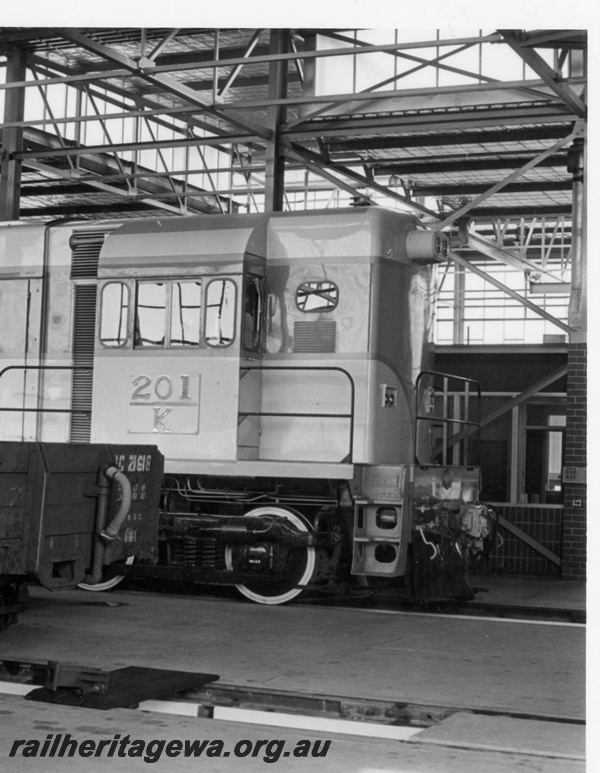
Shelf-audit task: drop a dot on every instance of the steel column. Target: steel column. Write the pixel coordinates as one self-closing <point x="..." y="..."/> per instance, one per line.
<point x="458" y="321"/>
<point x="577" y="303"/>
<point x="12" y="138"/>
<point x="276" y="114"/>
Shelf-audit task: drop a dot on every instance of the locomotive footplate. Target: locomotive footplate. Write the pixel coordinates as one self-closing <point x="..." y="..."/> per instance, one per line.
<point x="95" y="688"/>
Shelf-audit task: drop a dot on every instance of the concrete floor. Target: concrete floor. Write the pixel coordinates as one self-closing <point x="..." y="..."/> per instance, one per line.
<point x="532" y="591"/>
<point x="352" y="755"/>
<point x="470" y="663"/>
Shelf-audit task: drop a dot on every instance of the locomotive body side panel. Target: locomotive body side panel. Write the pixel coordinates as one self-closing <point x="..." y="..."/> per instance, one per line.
<point x="35" y="332"/>
<point x="185" y="403"/>
<point x="399" y="349"/>
<point x="21" y="277"/>
<point x="56" y="380"/>
<point x="347" y="296"/>
<point x="22" y="250"/>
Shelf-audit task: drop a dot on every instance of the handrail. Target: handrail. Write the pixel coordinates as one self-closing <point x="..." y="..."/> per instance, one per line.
<point x="447" y="420"/>
<point x="350" y="416"/>
<point x="43" y="367"/>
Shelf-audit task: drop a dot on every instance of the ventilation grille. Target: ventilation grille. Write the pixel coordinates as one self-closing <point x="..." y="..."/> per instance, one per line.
<point x="86" y="252"/>
<point x="315" y="337"/>
<point x="83" y="357"/>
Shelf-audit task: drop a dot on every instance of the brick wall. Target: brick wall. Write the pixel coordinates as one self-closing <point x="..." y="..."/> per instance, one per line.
<point x="575" y="510"/>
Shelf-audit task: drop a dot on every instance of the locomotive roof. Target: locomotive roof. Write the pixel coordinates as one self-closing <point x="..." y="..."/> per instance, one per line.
<point x="197" y="244"/>
<point x="224" y="243"/>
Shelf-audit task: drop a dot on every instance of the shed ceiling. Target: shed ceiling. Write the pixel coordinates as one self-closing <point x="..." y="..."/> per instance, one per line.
<point x="234" y="103"/>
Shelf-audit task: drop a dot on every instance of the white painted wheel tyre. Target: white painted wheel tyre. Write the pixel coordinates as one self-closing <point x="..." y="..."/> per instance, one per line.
<point x="108" y="584"/>
<point x="286" y="595"/>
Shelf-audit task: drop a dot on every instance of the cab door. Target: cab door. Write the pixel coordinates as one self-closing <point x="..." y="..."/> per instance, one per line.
<point x="252" y="349"/>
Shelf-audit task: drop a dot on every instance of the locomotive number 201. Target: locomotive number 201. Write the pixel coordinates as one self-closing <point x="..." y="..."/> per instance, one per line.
<point x="164" y="404"/>
<point x="161" y="388"/>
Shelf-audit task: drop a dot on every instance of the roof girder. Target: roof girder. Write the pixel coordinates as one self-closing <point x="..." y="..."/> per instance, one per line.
<point x="158" y="57"/>
<point x="170" y="85"/>
<point x="552" y="78"/>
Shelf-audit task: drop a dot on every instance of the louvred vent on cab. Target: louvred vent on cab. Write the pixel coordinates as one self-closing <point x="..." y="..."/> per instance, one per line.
<point x="86" y="248"/>
<point x="319" y="337"/>
<point x="83" y="360"/>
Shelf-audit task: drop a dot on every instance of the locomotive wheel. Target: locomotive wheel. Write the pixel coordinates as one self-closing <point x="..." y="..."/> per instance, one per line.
<point x="107" y="584"/>
<point x="300" y="567"/>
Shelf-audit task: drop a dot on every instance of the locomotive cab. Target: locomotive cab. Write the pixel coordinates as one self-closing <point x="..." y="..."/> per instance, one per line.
<point x="178" y="312"/>
<point x="242" y="372"/>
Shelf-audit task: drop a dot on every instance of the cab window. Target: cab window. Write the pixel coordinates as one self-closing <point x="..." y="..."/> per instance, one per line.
<point x="186" y="308"/>
<point x="321" y="295"/>
<point x="113" y="319"/>
<point x="220" y="313"/>
<point x="150" y="314"/>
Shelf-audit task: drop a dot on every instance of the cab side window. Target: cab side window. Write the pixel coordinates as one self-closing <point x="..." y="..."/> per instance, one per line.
<point x="220" y="313"/>
<point x="114" y="313"/>
<point x="150" y="314"/>
<point x="186" y="313"/>
<point x="321" y="295"/>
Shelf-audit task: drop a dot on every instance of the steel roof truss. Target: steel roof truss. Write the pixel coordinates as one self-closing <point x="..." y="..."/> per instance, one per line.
<point x="577" y="132"/>
<point x="506" y="256"/>
<point x="319" y="170"/>
<point x="132" y="146"/>
<point x="207" y="171"/>
<point x="107" y="135"/>
<point x="163" y="43"/>
<point x="521" y="299"/>
<point x="182" y="203"/>
<point x="453" y="138"/>
<point x="317" y="165"/>
<point x="298" y="63"/>
<point x="48" y="107"/>
<point x="101" y="186"/>
<point x="423" y="64"/>
<point x="164" y="82"/>
<point x="437" y="63"/>
<point x="238" y="68"/>
<point x="140" y="101"/>
<point x="547" y="74"/>
<point x="198" y="64"/>
<point x="366" y="96"/>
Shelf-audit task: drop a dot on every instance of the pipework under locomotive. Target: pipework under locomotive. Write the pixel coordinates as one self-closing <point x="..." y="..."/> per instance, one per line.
<point x="281" y="363"/>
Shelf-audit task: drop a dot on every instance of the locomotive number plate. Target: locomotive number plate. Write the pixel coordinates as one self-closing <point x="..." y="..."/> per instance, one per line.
<point x="164" y="404"/>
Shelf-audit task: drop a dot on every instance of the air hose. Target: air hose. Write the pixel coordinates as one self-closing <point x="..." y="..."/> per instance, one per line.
<point x="110" y="532"/>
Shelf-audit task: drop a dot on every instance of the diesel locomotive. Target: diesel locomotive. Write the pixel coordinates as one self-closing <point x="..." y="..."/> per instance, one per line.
<point x="281" y="363"/>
